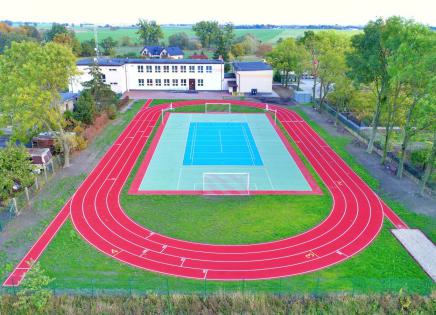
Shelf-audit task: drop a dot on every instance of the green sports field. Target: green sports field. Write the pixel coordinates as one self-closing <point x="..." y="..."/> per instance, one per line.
<point x="383" y="266"/>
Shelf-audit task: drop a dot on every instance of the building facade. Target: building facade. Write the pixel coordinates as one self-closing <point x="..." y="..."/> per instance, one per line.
<point x="251" y="76"/>
<point x="154" y="74"/>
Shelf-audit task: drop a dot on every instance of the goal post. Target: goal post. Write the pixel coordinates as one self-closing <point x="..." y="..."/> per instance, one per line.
<point x="217" y="108"/>
<point x="163" y="110"/>
<point x="226" y="183"/>
<point x="272" y="111"/>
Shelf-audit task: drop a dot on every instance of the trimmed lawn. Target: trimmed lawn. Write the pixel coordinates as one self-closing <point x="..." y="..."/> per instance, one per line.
<point x="383" y="266"/>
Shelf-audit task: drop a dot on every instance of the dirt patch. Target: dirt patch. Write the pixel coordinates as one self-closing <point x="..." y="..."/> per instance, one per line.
<point x="404" y="190"/>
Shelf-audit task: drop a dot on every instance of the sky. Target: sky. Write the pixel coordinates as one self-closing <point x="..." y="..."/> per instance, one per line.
<point x="342" y="12"/>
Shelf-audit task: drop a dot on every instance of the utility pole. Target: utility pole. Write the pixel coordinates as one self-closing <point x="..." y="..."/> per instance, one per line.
<point x="97" y="52"/>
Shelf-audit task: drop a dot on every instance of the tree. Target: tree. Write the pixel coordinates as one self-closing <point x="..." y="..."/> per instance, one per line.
<point x="85" y="108"/>
<point x="332" y="66"/>
<point x="125" y="41"/>
<point x="207" y="32"/>
<point x="33" y="295"/>
<point x="149" y="32"/>
<point x="224" y="40"/>
<point x="70" y="40"/>
<point x="15" y="167"/>
<point x="108" y="44"/>
<point x="286" y="57"/>
<point x="88" y="48"/>
<point x="310" y="42"/>
<point x="55" y="30"/>
<point x="341" y="95"/>
<point x="32" y="76"/>
<point x="101" y="92"/>
<point x="237" y="50"/>
<point x="179" y="39"/>
<point x="263" y="50"/>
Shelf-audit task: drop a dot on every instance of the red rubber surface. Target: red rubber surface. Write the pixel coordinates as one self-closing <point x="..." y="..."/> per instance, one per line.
<point x="354" y="221"/>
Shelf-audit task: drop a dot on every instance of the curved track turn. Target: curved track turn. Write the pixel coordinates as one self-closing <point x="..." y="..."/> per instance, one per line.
<point x="355" y="219"/>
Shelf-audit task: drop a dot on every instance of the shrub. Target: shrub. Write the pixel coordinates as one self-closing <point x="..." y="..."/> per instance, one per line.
<point x="85" y="108"/>
<point x="419" y="157"/>
<point x="111" y="112"/>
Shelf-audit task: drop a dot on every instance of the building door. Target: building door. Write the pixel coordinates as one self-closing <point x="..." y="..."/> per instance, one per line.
<point x="192" y="84"/>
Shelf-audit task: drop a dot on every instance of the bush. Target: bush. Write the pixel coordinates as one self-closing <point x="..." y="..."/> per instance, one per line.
<point x="419" y="157"/>
<point x="85" y="108"/>
<point x="111" y="112"/>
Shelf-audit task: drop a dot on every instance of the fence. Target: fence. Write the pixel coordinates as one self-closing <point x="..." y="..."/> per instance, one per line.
<point x="22" y="199"/>
<point x="306" y="285"/>
<point x="358" y="128"/>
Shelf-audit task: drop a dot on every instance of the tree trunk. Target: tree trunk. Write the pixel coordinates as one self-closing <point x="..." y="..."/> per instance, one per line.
<point x="407" y="136"/>
<point x="314" y="91"/>
<point x="391" y="112"/>
<point x="375" y="121"/>
<point x="340" y="105"/>
<point x="428" y="167"/>
<point x="286" y="78"/>
<point x="298" y="82"/>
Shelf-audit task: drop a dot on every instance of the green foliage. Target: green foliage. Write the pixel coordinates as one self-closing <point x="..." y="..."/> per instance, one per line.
<point x="85" y="109"/>
<point x="207" y="32"/>
<point x="33" y="295"/>
<point x="108" y="44"/>
<point x="88" y="48"/>
<point x="15" y="167"/>
<point x="150" y="32"/>
<point x="101" y="92"/>
<point x="55" y="29"/>
<point x="179" y="39"/>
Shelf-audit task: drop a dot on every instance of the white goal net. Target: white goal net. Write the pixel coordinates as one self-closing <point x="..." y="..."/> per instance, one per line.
<point x="217" y="108"/>
<point x="226" y="183"/>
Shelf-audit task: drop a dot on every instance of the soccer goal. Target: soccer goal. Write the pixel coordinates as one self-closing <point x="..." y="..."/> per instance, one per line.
<point x="164" y="110"/>
<point x="272" y="111"/>
<point x="226" y="183"/>
<point x="217" y="108"/>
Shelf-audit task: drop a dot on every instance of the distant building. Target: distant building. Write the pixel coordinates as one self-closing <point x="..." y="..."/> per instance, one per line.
<point x="127" y="74"/>
<point x="253" y="76"/>
<point x="68" y="100"/>
<point x="159" y="52"/>
<point x="198" y="56"/>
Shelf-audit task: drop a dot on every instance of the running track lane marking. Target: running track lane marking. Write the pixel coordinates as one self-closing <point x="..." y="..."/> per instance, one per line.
<point x="15" y="278"/>
<point x="388" y="212"/>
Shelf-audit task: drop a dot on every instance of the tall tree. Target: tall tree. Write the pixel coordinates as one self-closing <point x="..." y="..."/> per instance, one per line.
<point x="101" y="92"/>
<point x="368" y="62"/>
<point x="310" y="41"/>
<point x="207" y="32"/>
<point x="70" y="40"/>
<point x="108" y="44"/>
<point x="150" y="32"/>
<point x="32" y="76"/>
<point x="55" y="29"/>
<point x="179" y="39"/>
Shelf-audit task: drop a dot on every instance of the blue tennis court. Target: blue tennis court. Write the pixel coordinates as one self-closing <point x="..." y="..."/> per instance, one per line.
<point x="221" y="143"/>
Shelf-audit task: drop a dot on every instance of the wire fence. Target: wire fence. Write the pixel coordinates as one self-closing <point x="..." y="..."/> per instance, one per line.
<point x="309" y="285"/>
<point x="21" y="200"/>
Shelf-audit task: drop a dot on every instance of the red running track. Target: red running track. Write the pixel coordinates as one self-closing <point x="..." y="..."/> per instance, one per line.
<point x="354" y="221"/>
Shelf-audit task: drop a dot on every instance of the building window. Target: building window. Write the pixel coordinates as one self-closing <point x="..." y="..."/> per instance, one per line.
<point x="200" y="69"/>
<point x="157" y="69"/>
<point x="148" y="69"/>
<point x="158" y="82"/>
<point x="103" y="78"/>
<point x="209" y="69"/>
<point x="114" y="83"/>
<point x="166" y="82"/>
<point x="175" y="82"/>
<point x="112" y="69"/>
<point x="191" y="69"/>
<point x="183" y="69"/>
<point x="166" y="69"/>
<point x="140" y="68"/>
<point x="149" y="82"/>
<point x="183" y="82"/>
<point x="174" y="69"/>
<point x="200" y="82"/>
<point x="141" y="82"/>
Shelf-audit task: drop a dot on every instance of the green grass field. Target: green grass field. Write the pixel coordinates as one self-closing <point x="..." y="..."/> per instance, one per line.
<point x="383" y="266"/>
<point x="264" y="35"/>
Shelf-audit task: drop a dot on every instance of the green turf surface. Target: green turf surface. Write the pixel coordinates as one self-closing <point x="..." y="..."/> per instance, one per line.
<point x="383" y="266"/>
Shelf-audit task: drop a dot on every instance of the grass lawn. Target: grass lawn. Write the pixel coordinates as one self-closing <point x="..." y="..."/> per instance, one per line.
<point x="383" y="266"/>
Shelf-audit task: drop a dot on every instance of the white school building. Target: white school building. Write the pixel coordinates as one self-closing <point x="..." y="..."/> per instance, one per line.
<point x="126" y="74"/>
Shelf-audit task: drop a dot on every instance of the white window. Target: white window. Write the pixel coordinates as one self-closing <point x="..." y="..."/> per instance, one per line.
<point x="209" y="69"/>
<point x="175" y="82"/>
<point x="200" y="82"/>
<point x="166" y="82"/>
<point x="183" y="82"/>
<point x="149" y="82"/>
<point x="158" y="82"/>
<point x="174" y="69"/>
<point x="140" y="68"/>
<point x="157" y="69"/>
<point x="183" y="69"/>
<point x="148" y="69"/>
<point x="103" y="78"/>
<point x="191" y="69"/>
<point x="141" y="82"/>
<point x="200" y="69"/>
<point x="166" y="69"/>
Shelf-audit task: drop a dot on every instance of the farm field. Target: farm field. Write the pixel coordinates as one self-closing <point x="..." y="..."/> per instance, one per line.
<point x="76" y="265"/>
<point x="265" y="35"/>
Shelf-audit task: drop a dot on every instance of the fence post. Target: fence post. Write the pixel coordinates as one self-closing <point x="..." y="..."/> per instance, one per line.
<point x="45" y="173"/>
<point x="14" y="202"/>
<point x="36" y="183"/>
<point x="26" y="190"/>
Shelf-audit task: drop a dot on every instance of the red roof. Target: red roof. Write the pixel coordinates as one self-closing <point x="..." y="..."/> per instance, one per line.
<point x="198" y="56"/>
